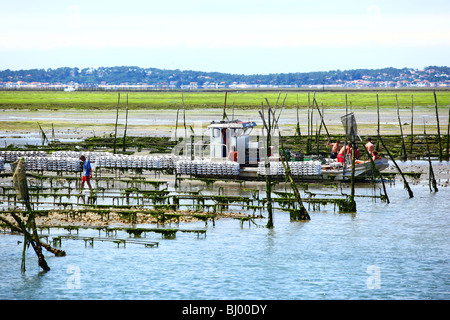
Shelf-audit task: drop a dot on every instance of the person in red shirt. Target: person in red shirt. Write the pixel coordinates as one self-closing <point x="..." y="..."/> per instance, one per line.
<point x="340" y="156"/>
<point x="233" y="155"/>
<point x="357" y="153"/>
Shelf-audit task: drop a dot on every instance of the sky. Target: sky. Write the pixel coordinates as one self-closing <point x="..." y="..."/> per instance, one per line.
<point x="234" y="36"/>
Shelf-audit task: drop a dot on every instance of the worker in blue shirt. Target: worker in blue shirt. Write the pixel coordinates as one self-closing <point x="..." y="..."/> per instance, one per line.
<point x="87" y="173"/>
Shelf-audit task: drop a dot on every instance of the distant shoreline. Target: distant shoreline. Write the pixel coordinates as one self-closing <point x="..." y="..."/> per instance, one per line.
<point x="312" y="88"/>
<point x="155" y="78"/>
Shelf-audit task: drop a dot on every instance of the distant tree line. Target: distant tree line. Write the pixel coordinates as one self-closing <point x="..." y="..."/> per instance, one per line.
<point x="137" y="75"/>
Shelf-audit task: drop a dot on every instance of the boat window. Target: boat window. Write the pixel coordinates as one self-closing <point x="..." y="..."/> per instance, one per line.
<point x="247" y="131"/>
<point x="216" y="132"/>
<point x="243" y="132"/>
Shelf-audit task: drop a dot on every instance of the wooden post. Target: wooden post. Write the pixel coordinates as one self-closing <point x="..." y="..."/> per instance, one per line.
<point x="30" y="237"/>
<point x="275" y="118"/>
<point x="309" y="131"/>
<point x="412" y="125"/>
<point x="312" y="118"/>
<point x="44" y="136"/>
<point x="310" y="125"/>
<point x="184" y="116"/>
<point x="303" y="213"/>
<point x="431" y="178"/>
<point x="320" y="128"/>
<point x="411" y="194"/>
<point x="377" y="145"/>
<point x="317" y="138"/>
<point x="176" y="123"/>
<point x="224" y="116"/>
<point x="352" y="193"/>
<point x="126" y="125"/>
<point x="448" y="133"/>
<point x="117" y="118"/>
<point x="274" y="110"/>
<point x="192" y="146"/>
<point x="345" y="141"/>
<point x="267" y="126"/>
<point x="351" y="204"/>
<point x="298" y="122"/>
<point x="268" y="177"/>
<point x="321" y="114"/>
<point x="401" y="130"/>
<point x="438" y="129"/>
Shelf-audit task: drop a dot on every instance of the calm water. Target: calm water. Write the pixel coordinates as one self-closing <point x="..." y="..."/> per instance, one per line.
<point x="395" y="251"/>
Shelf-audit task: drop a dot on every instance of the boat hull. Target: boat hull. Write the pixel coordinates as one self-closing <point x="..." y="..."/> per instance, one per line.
<point x="328" y="173"/>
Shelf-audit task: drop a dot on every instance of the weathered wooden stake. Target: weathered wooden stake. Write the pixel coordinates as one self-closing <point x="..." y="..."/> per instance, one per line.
<point x="377" y="145"/>
<point x="312" y="118"/>
<point x="117" y="119"/>
<point x="126" y="125"/>
<point x="350" y="205"/>
<point x="308" y="124"/>
<point x="309" y="150"/>
<point x="176" y="123"/>
<point x="276" y="118"/>
<point x="412" y="125"/>
<point x="322" y="122"/>
<point x="405" y="183"/>
<point x="438" y="129"/>
<point x="298" y="133"/>
<point x="270" y="124"/>
<point x="401" y="130"/>
<point x="274" y="110"/>
<point x="44" y="136"/>
<point x="224" y="116"/>
<point x="28" y="228"/>
<point x="303" y="214"/>
<point x="431" y="178"/>
<point x="448" y="133"/>
<point x="184" y="116"/>
<point x="345" y="141"/>
<point x="320" y="128"/>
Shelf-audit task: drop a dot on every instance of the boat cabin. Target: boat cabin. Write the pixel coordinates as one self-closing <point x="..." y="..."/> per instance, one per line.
<point x="233" y="135"/>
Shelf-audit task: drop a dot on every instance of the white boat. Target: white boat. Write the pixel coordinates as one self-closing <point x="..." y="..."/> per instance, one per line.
<point x="202" y="159"/>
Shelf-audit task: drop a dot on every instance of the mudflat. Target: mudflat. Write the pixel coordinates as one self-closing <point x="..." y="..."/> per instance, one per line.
<point x="80" y="124"/>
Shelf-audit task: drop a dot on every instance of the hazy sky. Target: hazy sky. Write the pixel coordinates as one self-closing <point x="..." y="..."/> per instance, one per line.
<point x="234" y="36"/>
